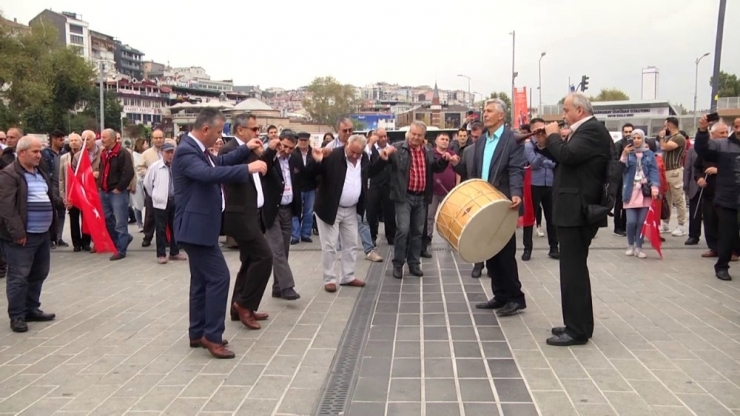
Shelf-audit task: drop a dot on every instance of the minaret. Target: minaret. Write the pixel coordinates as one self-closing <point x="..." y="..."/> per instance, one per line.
<point x="436" y="109"/>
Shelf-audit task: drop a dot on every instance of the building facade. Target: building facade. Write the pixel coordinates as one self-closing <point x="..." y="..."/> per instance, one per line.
<point x="650" y="83"/>
<point x="14" y="28"/>
<point x="142" y="101"/>
<point x="102" y="53"/>
<point x="73" y="31"/>
<point x="128" y="61"/>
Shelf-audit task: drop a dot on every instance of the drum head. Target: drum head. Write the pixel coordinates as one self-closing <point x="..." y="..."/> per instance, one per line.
<point x="488" y="231"/>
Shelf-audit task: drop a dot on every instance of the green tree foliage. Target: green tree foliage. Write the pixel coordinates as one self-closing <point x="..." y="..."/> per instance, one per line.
<point x="611" y="94"/>
<point x="358" y="125"/>
<point x="45" y="80"/>
<point x="507" y="100"/>
<point x="729" y="85"/>
<point x="327" y="100"/>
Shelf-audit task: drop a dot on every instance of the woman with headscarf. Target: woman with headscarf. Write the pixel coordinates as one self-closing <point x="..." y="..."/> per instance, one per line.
<point x="642" y="173"/>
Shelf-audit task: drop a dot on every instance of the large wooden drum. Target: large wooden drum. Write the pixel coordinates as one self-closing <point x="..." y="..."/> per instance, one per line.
<point x="476" y="219"/>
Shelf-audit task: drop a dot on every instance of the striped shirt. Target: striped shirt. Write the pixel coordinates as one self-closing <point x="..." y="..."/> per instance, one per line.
<point x="40" y="212"/>
<point x="674" y="158"/>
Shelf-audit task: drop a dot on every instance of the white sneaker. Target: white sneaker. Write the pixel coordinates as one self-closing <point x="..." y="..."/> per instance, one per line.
<point x="640" y="254"/>
<point x="664" y="228"/>
<point x="539" y="232"/>
<point x="630" y="251"/>
<point x="678" y="232"/>
<point x="373" y="256"/>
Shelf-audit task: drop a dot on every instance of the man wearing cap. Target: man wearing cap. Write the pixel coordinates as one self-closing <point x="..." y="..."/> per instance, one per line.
<point x="306" y="185"/>
<point x="159" y="186"/>
<point x="281" y="205"/>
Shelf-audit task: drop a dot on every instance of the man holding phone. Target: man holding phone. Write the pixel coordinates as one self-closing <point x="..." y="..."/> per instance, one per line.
<point x="673" y="145"/>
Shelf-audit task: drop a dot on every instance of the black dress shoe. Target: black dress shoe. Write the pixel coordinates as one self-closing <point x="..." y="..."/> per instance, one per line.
<point x="511" y="308"/>
<point x="477" y="270"/>
<point x="398" y="272"/>
<point x="18" y="325"/>
<point x="691" y="241"/>
<point x="294" y="241"/>
<point x="723" y="275"/>
<point x="146" y="243"/>
<point x="289" y="294"/>
<point x="77" y="249"/>
<point x="554" y="254"/>
<point x="306" y="239"/>
<point x="62" y="243"/>
<point x="39" y="316"/>
<point x="86" y="248"/>
<point x="416" y="271"/>
<point x="620" y="233"/>
<point x="426" y="254"/>
<point x="558" y="330"/>
<point x="491" y="304"/>
<point x="526" y="255"/>
<point x="117" y="256"/>
<point x="565" y="340"/>
<point x="277" y="294"/>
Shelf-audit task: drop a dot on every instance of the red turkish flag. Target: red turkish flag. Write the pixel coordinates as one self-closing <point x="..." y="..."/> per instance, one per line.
<point x="527" y="220"/>
<point x="83" y="194"/>
<point x="651" y="226"/>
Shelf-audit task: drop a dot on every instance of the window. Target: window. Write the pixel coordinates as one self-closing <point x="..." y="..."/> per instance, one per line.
<point x="75" y="29"/>
<point x="77" y="40"/>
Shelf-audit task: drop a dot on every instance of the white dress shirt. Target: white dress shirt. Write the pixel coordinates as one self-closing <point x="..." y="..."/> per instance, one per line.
<point x="203" y="149"/>
<point x="578" y="124"/>
<point x="352" y="185"/>
<point x="288" y="190"/>
<point x="256" y="179"/>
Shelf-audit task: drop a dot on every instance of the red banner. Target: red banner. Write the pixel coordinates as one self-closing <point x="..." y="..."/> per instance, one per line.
<point x="521" y="107"/>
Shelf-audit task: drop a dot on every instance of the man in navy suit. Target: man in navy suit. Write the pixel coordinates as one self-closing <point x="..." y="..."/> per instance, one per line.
<point x="199" y="201"/>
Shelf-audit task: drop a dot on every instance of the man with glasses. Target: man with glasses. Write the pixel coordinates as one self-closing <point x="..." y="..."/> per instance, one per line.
<point x="620" y="217"/>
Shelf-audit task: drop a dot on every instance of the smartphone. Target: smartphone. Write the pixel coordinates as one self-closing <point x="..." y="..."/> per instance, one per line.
<point x="667" y="133"/>
<point x="630" y="142"/>
<point x="713" y="117"/>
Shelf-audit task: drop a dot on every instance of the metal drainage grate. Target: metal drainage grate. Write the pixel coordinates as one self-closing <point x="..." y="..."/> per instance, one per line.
<point x="343" y="373"/>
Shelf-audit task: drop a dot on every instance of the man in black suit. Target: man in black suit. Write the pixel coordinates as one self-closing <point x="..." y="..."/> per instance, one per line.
<point x="582" y="158"/>
<point x="497" y="158"/>
<point x="305" y="186"/>
<point x="379" y="193"/>
<point x="242" y="223"/>
<point x="281" y="205"/>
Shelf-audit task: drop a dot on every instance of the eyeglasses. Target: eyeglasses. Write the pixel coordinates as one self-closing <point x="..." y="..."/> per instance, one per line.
<point x="346" y="130"/>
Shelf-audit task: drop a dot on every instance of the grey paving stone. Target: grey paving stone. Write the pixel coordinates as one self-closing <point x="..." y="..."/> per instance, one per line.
<point x="405" y="390"/>
<point x="476" y="390"/>
<point x="481" y="409"/>
<point x="406" y="368"/>
<point x="438" y="367"/>
<point x="442" y="409"/>
<point x="371" y="389"/>
<point x="404" y="409"/>
<point x="503" y="368"/>
<point x="440" y="390"/>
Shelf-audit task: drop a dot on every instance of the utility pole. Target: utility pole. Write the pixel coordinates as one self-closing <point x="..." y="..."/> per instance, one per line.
<point x="718" y="53"/>
<point x="696" y="84"/>
<point x="539" y="87"/>
<point x="101" y="66"/>
<point x="513" y="73"/>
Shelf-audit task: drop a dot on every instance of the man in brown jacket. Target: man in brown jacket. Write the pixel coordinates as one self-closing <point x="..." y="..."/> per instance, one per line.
<point x="28" y="204"/>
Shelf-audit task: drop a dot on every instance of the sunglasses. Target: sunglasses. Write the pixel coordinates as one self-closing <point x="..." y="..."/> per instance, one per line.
<point x="346" y="130"/>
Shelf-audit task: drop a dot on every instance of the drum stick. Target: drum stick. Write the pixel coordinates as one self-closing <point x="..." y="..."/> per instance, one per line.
<point x="439" y="182"/>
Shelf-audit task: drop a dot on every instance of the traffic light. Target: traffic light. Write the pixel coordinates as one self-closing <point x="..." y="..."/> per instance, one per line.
<point x="584" y="83"/>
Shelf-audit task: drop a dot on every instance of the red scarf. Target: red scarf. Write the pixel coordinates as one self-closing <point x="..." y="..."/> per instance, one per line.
<point x="105" y="160"/>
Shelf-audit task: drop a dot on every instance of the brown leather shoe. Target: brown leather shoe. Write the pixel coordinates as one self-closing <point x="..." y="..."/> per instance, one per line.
<point x="195" y="343"/>
<point x="217" y="350"/>
<point x="709" y="254"/>
<point x="260" y="316"/>
<point x="330" y="287"/>
<point x="355" y="283"/>
<point x="247" y="317"/>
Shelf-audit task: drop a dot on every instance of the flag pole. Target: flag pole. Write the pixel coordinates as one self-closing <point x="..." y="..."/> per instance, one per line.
<point x="84" y="147"/>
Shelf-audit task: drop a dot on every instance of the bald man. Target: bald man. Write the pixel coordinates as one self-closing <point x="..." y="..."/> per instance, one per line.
<point x="116" y="173"/>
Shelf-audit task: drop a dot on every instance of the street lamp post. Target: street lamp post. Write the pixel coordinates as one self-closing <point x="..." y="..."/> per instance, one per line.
<point x="101" y="79"/>
<point x="539" y="88"/>
<point x="513" y="72"/>
<point x="696" y="83"/>
<point x="718" y="52"/>
<point x="469" y="97"/>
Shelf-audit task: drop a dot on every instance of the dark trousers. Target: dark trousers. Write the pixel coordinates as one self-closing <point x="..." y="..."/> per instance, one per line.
<point x="149" y="222"/>
<point x="3" y="264"/>
<point x="711" y="223"/>
<point x="728" y="242"/>
<point x="620" y="216"/>
<point x="28" y="267"/>
<point x="410" y="219"/>
<point x="254" y="273"/>
<point x="278" y="238"/>
<point x="695" y="216"/>
<point x="164" y="218"/>
<point x="504" y="274"/>
<point x="542" y="198"/>
<point x="79" y="239"/>
<point x="575" y="283"/>
<point x="56" y="234"/>
<point x="209" y="291"/>
<point x="379" y="203"/>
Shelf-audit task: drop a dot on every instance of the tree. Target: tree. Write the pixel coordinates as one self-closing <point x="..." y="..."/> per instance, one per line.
<point x="112" y="108"/>
<point x="46" y="79"/>
<point x="729" y="85"/>
<point x="327" y="100"/>
<point x="505" y="98"/>
<point x="680" y="109"/>
<point x="358" y="125"/>
<point x="611" y="94"/>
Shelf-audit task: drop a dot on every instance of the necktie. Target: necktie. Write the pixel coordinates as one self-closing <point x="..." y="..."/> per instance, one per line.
<point x="210" y="161"/>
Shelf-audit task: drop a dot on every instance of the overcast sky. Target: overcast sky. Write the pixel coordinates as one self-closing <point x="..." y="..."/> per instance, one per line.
<point x="288" y="43"/>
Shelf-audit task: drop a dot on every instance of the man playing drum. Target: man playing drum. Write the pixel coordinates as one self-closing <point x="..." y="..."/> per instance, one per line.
<point x="499" y="160"/>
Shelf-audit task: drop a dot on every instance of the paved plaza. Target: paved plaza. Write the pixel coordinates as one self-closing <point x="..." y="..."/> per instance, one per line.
<point x="667" y="342"/>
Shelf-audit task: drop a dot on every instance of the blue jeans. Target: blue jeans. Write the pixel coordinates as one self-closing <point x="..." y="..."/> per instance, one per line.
<point x="302" y="226"/>
<point x="635" y="219"/>
<point x="115" y="209"/>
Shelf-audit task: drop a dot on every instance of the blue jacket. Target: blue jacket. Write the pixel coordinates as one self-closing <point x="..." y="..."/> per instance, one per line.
<point x="649" y="169"/>
<point x="542" y="174"/>
<point x="198" y="190"/>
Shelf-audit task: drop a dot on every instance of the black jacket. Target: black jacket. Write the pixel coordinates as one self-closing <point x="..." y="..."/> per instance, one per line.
<point x="383" y="177"/>
<point x="400" y="166"/>
<point x="726" y="154"/>
<point x="581" y="171"/>
<point x="333" y="171"/>
<point x="241" y="215"/>
<point x="121" y="170"/>
<point x="274" y="185"/>
<point x="304" y="183"/>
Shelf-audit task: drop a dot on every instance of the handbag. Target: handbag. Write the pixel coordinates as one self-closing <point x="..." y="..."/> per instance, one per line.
<point x="645" y="187"/>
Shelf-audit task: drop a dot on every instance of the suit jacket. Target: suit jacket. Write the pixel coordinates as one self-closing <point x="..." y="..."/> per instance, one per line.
<point x="383" y="177"/>
<point x="240" y="217"/>
<point x="275" y="185"/>
<point x="689" y="173"/>
<point x="400" y="167"/>
<point x="333" y="170"/>
<point x="198" y="190"/>
<point x="581" y="172"/>
<point x="507" y="164"/>
<point x="304" y="183"/>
